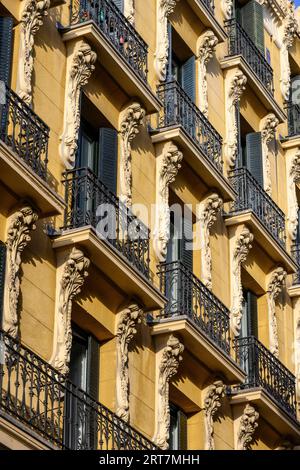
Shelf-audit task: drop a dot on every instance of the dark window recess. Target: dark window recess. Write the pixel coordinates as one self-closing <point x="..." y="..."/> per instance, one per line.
<point x="178" y="429"/>
<point x="249" y="325"/>
<point x="181" y="239"/>
<point x="2" y="277"/>
<point x="251" y="17"/>
<point x="187" y="240"/>
<point x="252" y="156"/>
<point x="6" y="41"/>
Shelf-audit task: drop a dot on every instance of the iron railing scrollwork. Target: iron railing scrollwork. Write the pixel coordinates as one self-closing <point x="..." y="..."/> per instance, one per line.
<point x="37" y="395"/>
<point x="239" y="43"/>
<point x="117" y="30"/>
<point x="265" y="371"/>
<point x="293" y="118"/>
<point x="24" y="132"/>
<point x="188" y="296"/>
<point x="210" y="5"/>
<point x="90" y="203"/>
<point x="251" y="196"/>
<point x="296" y="256"/>
<point x="179" y="110"/>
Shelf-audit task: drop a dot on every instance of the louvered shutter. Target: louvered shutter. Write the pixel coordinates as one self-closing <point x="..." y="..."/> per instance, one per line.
<point x="182" y="430"/>
<point x="252" y="314"/>
<point x="93" y="387"/>
<point x="6" y="39"/>
<point x="2" y="277"/>
<point x="108" y="149"/>
<point x="120" y="4"/>
<point x="251" y="17"/>
<point x="188" y="77"/>
<point x="254" y="159"/>
<point x="170" y="53"/>
<point x="187" y="238"/>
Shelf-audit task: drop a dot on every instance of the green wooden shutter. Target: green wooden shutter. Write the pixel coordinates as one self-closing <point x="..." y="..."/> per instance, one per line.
<point x="254" y="158"/>
<point x="108" y="149"/>
<point x="188" y="79"/>
<point x="2" y="277"/>
<point x="93" y="388"/>
<point x="182" y="418"/>
<point x="170" y="53"/>
<point x="251" y="17"/>
<point x="6" y="40"/>
<point x="252" y="314"/>
<point x="187" y="237"/>
<point x="120" y="4"/>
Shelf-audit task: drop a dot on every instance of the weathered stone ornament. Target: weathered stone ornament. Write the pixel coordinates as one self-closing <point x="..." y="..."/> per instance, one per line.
<point x="268" y="132"/>
<point x="129" y="10"/>
<point x="275" y="285"/>
<point x="129" y="318"/>
<point x="32" y="18"/>
<point x="227" y="8"/>
<point x="168" y="367"/>
<point x="290" y="30"/>
<point x="212" y="403"/>
<point x="71" y="282"/>
<point x="248" y="425"/>
<point x="131" y="118"/>
<point x="80" y="65"/>
<point x="20" y="224"/>
<point x="164" y="8"/>
<point x="206" y="47"/>
<point x="293" y="176"/>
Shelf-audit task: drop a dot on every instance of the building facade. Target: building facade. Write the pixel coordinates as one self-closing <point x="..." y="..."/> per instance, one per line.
<point x="149" y="235"/>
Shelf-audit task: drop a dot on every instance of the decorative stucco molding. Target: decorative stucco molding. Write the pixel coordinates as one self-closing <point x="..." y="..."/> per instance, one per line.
<point x="275" y="285"/>
<point x="131" y="118"/>
<point x="167" y="368"/>
<point x="72" y="277"/>
<point x="227" y="8"/>
<point x="248" y="425"/>
<point x="20" y="224"/>
<point x="167" y="166"/>
<point x="129" y="10"/>
<point x="164" y="8"/>
<point x="268" y="132"/>
<point x="208" y="210"/>
<point x="241" y="247"/>
<point x="212" y="403"/>
<point x="80" y="65"/>
<point x="206" y="47"/>
<point x="235" y="84"/>
<point x="128" y="320"/>
<point x="293" y="176"/>
<point x="32" y="18"/>
<point x="289" y="33"/>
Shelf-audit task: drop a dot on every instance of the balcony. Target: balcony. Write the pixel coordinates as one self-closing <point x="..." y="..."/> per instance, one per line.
<point x="242" y="52"/>
<point x="35" y="396"/>
<point x="122" y="50"/>
<point x="201" y="318"/>
<point x="269" y="385"/>
<point x="24" y="155"/>
<point x="205" y="11"/>
<point x="293" y="117"/>
<point x="265" y="219"/>
<point x="181" y="120"/>
<point x="117" y="241"/>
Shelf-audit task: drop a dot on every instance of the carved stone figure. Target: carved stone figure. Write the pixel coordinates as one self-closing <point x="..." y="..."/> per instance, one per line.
<point x="168" y="367"/>
<point x="167" y="167"/>
<point x="207" y="217"/>
<point x="129" y="10"/>
<point x="20" y="224"/>
<point x="290" y="30"/>
<point x="80" y="65"/>
<point x="212" y="403"/>
<point x="242" y="247"/>
<point x="206" y="48"/>
<point x="74" y="273"/>
<point x="129" y="318"/>
<point x="131" y="118"/>
<point x="268" y="132"/>
<point x="227" y="8"/>
<point x="293" y="176"/>
<point x="248" y="425"/>
<point x="164" y="8"/>
<point x="275" y="285"/>
<point x="32" y="18"/>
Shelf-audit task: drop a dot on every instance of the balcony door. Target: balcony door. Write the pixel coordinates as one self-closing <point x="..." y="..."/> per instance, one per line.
<point x="249" y="327"/>
<point x="178" y="429"/>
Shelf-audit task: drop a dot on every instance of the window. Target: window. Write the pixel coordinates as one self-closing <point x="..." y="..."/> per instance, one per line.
<point x="6" y="43"/>
<point x="178" y="429"/>
<point x="251" y="17"/>
<point x="2" y="277"/>
<point x="249" y="325"/>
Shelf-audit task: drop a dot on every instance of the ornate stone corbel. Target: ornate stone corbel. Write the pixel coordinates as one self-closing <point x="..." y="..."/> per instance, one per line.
<point x="168" y="367"/>
<point x="129" y="10"/>
<point x="289" y="33"/>
<point x="235" y="84"/>
<point x="72" y="277"/>
<point x="167" y="167"/>
<point x="20" y="224"/>
<point x="248" y="425"/>
<point x="164" y="8"/>
<point x="207" y="217"/>
<point x="212" y="403"/>
<point x="227" y="8"/>
<point x="241" y="247"/>
<point x="206" y="48"/>
<point x="128" y="320"/>
<point x="131" y="118"/>
<point x="275" y="285"/>
<point x="32" y="18"/>
<point x="293" y="176"/>
<point x="80" y="65"/>
<point x="268" y="132"/>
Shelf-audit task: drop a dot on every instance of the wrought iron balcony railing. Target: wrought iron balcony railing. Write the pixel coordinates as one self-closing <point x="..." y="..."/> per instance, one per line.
<point x="90" y="203"/>
<point x="116" y="29"/>
<point x="293" y="117"/>
<point x="188" y="296"/>
<point x="239" y="43"/>
<point x="34" y="393"/>
<point x="296" y="256"/>
<point x="179" y="110"/>
<point x="23" y="131"/>
<point x="252" y="197"/>
<point x="265" y="371"/>
<point x="210" y="5"/>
